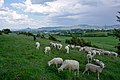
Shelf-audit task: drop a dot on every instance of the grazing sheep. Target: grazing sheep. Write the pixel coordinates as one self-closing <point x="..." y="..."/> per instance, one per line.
<point x="94" y="68"/>
<point x="98" y="62"/>
<point x="89" y="58"/>
<point x="93" y="52"/>
<point x="114" y="54"/>
<point x="59" y="46"/>
<point x="98" y="52"/>
<point x="37" y="45"/>
<point x="106" y="53"/>
<point x="47" y="49"/>
<point x="77" y="47"/>
<point x="72" y="65"/>
<point x="55" y="61"/>
<point x="81" y="49"/>
<point x="67" y="49"/>
<point x="72" y="46"/>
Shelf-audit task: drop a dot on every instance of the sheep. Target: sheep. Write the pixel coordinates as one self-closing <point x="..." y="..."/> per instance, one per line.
<point x="47" y="49"/>
<point x="81" y="49"/>
<point x="67" y="49"/>
<point x="106" y="53"/>
<point x="114" y="54"/>
<point x="72" y="65"/>
<point x="55" y="61"/>
<point x="94" y="68"/>
<point x="98" y="52"/>
<point x="72" y="46"/>
<point x="37" y="45"/>
<point x="93" y="52"/>
<point x="89" y="58"/>
<point x="98" y="62"/>
<point x="78" y="47"/>
<point x="59" y="46"/>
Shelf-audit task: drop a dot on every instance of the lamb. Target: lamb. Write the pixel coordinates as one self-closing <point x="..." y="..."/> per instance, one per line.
<point x="47" y="49"/>
<point x="67" y="48"/>
<point x="72" y="65"/>
<point x="37" y="45"/>
<point x="94" y="68"/>
<point x="55" y="61"/>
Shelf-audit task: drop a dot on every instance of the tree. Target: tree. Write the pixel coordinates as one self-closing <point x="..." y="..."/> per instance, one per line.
<point x="78" y="41"/>
<point x="117" y="34"/>
<point x="0" y="32"/>
<point x="118" y="17"/>
<point x="6" y="31"/>
<point x="51" y="37"/>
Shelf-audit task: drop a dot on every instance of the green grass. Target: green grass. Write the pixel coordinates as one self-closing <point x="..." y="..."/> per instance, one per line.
<point x="20" y="60"/>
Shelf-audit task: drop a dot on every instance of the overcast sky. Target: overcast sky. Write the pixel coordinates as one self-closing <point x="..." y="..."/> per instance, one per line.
<point x="17" y="14"/>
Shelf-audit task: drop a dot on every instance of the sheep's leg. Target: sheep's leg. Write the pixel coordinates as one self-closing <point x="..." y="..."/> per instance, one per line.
<point x="69" y="70"/>
<point x="75" y="73"/>
<point x="84" y="71"/>
<point x="56" y="65"/>
<point x="98" y="76"/>
<point x="88" y="72"/>
<point x="78" y="72"/>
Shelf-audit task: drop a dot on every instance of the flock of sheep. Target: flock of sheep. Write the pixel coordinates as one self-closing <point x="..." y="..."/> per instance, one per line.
<point x="73" y="65"/>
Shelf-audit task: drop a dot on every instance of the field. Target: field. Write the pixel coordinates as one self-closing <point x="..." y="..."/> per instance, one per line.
<point x="19" y="59"/>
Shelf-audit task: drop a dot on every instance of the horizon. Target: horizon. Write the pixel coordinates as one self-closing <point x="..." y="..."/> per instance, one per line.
<point x="20" y="14"/>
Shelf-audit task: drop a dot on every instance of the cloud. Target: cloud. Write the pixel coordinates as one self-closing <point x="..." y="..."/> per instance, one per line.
<point x="1" y="3"/>
<point x="62" y="12"/>
<point x="12" y="18"/>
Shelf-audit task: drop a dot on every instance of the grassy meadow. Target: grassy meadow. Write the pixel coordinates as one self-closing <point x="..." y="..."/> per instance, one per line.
<point x="20" y="60"/>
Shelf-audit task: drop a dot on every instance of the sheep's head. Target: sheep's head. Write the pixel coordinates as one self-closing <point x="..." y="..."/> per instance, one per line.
<point x="102" y="65"/>
<point x="49" y="63"/>
<point x="95" y="60"/>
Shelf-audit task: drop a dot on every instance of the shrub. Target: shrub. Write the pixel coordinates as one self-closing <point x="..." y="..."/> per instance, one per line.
<point x="0" y="32"/>
<point x="6" y="31"/>
<point x="78" y="41"/>
<point x="51" y="37"/>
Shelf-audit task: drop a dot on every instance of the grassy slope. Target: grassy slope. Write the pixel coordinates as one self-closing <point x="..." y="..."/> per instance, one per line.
<point x="21" y="61"/>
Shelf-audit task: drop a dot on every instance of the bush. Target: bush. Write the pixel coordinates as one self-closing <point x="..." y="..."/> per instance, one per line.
<point x="6" y="31"/>
<point x="78" y="41"/>
<point x="26" y="33"/>
<point x="52" y="38"/>
<point x="0" y="32"/>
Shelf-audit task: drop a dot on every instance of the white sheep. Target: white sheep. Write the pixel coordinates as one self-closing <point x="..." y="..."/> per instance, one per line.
<point x="55" y="61"/>
<point x="72" y="65"/>
<point x="89" y="58"/>
<point x="98" y="62"/>
<point x="67" y="49"/>
<point x="59" y="46"/>
<point x="47" y="49"/>
<point x="78" y="47"/>
<point x="72" y="46"/>
<point x="106" y="53"/>
<point x="114" y="54"/>
<point x="37" y="45"/>
<point x="94" y="68"/>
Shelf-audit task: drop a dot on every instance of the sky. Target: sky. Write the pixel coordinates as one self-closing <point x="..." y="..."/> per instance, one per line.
<point x="18" y="14"/>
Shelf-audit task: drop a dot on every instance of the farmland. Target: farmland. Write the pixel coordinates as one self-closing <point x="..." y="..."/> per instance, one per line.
<point x="19" y="59"/>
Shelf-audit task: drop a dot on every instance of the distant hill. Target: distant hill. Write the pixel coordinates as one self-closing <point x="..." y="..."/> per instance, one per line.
<point x="83" y="26"/>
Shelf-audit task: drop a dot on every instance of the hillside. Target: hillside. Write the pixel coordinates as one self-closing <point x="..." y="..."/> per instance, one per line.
<point x="19" y="60"/>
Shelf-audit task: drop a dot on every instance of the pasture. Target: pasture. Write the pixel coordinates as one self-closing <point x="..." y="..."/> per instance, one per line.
<point x="20" y="60"/>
